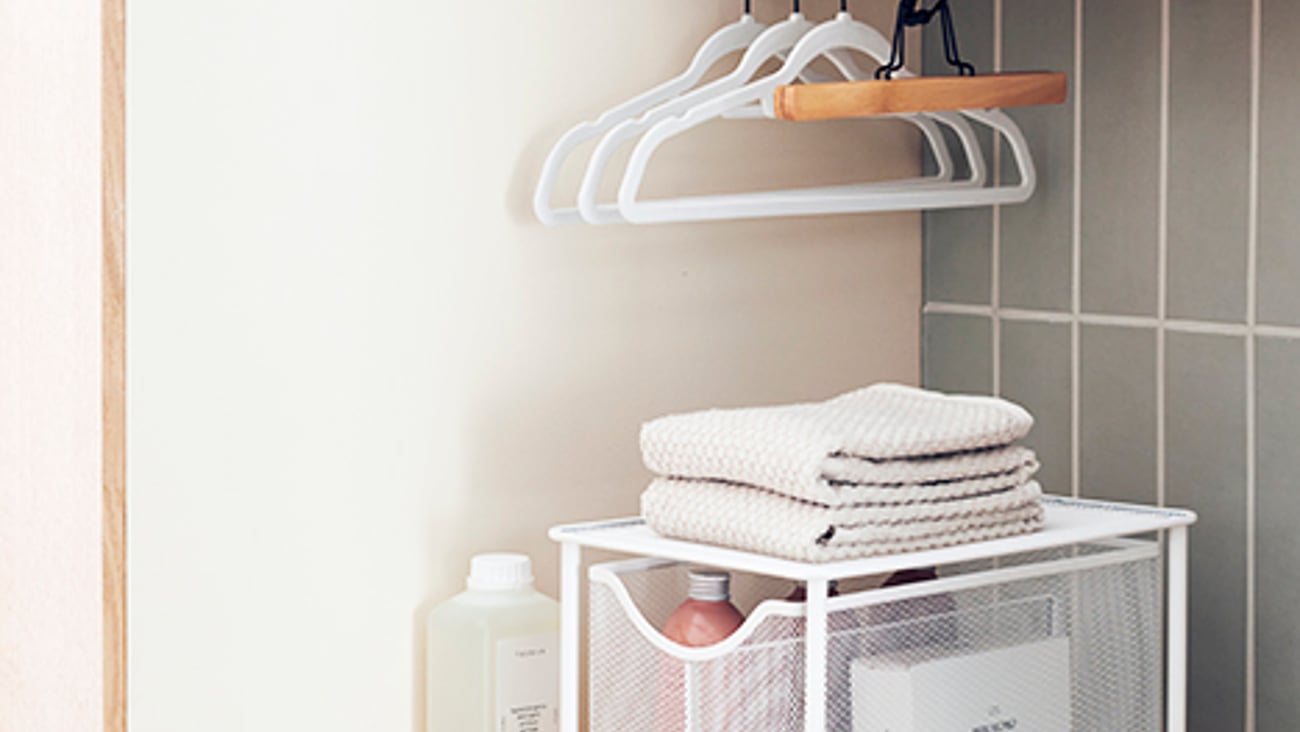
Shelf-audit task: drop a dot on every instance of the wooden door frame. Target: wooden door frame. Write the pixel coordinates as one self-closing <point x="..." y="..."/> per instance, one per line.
<point x="113" y="489"/>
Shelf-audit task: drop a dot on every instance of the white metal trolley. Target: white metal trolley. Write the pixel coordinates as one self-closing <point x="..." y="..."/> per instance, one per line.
<point x="1103" y="583"/>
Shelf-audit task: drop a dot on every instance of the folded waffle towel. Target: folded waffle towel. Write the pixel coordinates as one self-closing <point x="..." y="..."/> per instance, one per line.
<point x="881" y="435"/>
<point x="761" y="521"/>
<point x="838" y="495"/>
<point x="918" y="470"/>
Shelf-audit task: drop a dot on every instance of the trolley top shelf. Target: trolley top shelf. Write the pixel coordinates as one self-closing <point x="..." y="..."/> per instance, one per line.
<point x="1068" y="521"/>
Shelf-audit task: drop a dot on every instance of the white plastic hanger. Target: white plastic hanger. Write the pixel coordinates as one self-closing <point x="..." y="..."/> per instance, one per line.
<point x="725" y="41"/>
<point x="842" y="33"/>
<point x="774" y="42"/>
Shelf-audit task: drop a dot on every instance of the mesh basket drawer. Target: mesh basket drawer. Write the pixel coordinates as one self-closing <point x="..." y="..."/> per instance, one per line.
<point x="642" y="682"/>
<point x="1098" y="600"/>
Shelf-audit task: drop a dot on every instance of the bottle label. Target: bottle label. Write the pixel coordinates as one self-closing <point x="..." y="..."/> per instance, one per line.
<point x="528" y="684"/>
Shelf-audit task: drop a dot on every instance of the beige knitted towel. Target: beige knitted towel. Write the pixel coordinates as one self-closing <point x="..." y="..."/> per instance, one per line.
<point x="838" y="495"/>
<point x="886" y="434"/>
<point x="761" y="521"/>
<point x="921" y="470"/>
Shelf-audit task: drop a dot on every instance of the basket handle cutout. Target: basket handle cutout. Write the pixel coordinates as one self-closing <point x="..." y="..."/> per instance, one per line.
<point x="609" y="576"/>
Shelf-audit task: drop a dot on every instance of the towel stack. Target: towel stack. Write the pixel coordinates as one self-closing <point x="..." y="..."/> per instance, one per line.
<point x="881" y="470"/>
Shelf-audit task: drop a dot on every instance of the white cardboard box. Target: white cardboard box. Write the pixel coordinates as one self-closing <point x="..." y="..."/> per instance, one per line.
<point x="1025" y="688"/>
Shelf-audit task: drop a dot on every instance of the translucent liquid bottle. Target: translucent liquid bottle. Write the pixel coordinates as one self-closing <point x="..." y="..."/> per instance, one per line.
<point x="493" y="661"/>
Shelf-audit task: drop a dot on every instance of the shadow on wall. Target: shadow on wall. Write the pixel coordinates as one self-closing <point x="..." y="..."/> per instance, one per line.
<point x="578" y="334"/>
<point x="533" y="465"/>
<point x="567" y="449"/>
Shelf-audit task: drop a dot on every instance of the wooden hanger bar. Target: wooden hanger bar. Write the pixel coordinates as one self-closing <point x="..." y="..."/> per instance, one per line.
<point x="806" y="102"/>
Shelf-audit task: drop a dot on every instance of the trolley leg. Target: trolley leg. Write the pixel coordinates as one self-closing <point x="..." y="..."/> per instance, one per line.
<point x="1176" y="694"/>
<point x="814" y="700"/>
<point x="693" y="723"/>
<point x="570" y="613"/>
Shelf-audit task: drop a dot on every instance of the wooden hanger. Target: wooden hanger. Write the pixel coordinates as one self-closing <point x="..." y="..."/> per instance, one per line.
<point x="842" y="33"/>
<point x="804" y="102"/>
<point x="887" y="95"/>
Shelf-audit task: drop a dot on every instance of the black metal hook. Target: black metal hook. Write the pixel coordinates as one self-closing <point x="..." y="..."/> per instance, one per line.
<point x="910" y="15"/>
<point x="950" y="52"/>
<point x="749" y="7"/>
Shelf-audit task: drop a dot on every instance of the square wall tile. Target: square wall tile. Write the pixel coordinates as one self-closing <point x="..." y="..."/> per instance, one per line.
<point x="958" y="256"/>
<point x="1120" y="93"/>
<point x="959" y="242"/>
<point x="1209" y="159"/>
<point x="1036" y="375"/>
<point x="1277" y="542"/>
<point x="1206" y="458"/>
<point x="1279" y="166"/>
<point x="1036" y="241"/>
<point x="1117" y="413"/>
<point x="957" y="354"/>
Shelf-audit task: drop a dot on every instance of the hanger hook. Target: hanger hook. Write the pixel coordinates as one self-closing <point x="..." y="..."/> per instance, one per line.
<point x="749" y="7"/>
<point x="844" y="6"/>
<point x="910" y="15"/>
<point x="950" y="52"/>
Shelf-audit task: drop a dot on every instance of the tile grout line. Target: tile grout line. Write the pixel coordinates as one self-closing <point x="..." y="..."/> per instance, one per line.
<point x="995" y="275"/>
<point x="1162" y="259"/>
<point x="1076" y="278"/>
<point x="1120" y="321"/>
<point x="1174" y="325"/>
<point x="1252" y="375"/>
<point x="995" y="238"/>
<point x="956" y="308"/>
<point x="1076" y="257"/>
<point x="1162" y="292"/>
<point x="1206" y="327"/>
<point x="1035" y="316"/>
<point x="1277" y="331"/>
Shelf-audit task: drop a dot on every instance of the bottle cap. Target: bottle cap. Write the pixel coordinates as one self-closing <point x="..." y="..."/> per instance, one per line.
<point x="710" y="585"/>
<point x="500" y="572"/>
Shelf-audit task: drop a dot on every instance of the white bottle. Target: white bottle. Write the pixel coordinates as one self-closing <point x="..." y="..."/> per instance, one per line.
<point x="493" y="661"/>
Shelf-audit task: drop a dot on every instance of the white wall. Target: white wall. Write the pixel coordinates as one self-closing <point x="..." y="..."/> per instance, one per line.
<point x="355" y="359"/>
<point x="50" y="589"/>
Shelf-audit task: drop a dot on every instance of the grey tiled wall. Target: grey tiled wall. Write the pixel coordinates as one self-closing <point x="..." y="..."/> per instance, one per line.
<point x="1145" y="303"/>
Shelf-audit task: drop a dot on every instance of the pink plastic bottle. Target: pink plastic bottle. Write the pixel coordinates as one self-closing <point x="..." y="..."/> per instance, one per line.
<point x="707" y="616"/>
